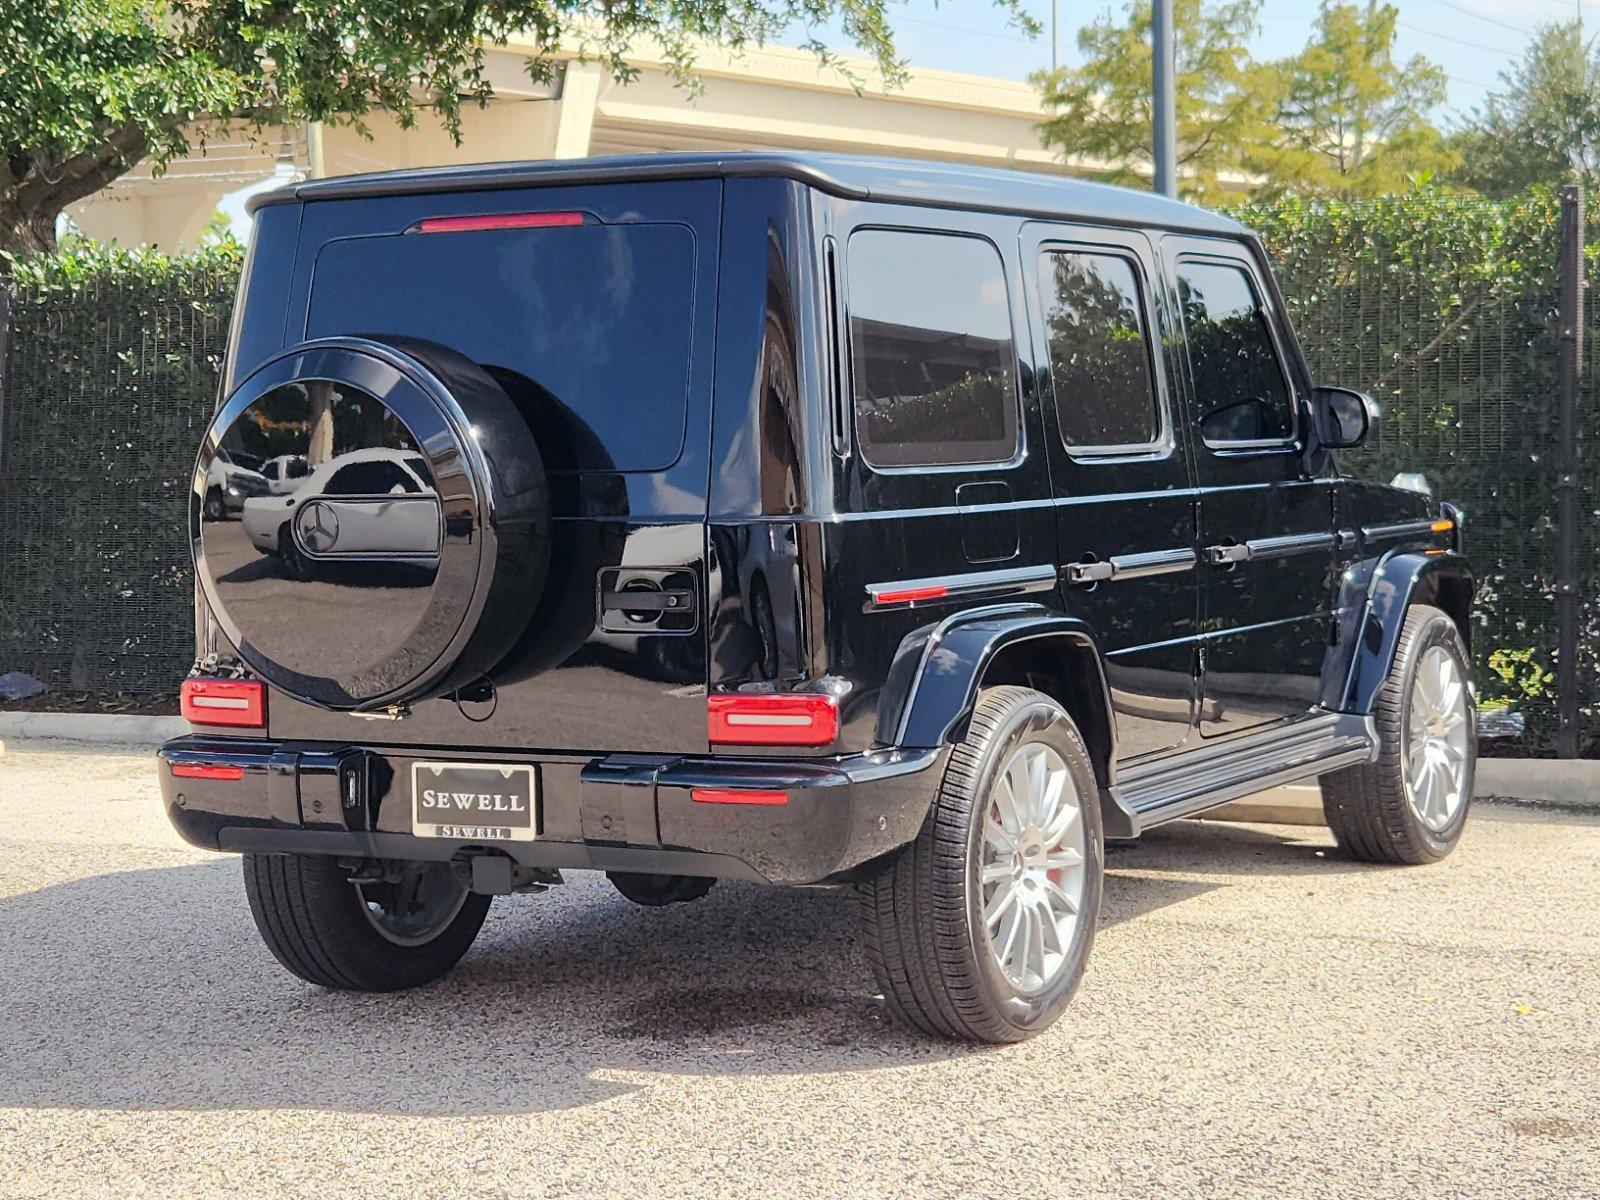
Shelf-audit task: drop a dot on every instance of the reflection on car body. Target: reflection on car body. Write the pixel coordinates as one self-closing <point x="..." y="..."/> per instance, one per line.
<point x="367" y="504"/>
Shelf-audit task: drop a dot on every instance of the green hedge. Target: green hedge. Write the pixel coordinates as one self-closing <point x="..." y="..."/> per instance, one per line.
<point x="111" y="371"/>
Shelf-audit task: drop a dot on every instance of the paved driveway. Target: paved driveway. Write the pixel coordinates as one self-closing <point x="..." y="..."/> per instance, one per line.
<point x="1260" y="1019"/>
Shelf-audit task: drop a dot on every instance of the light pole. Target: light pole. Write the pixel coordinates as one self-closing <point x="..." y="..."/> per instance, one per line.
<point x="1164" y="115"/>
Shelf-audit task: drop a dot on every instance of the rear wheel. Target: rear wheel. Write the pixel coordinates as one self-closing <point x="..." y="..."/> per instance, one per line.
<point x="379" y="935"/>
<point x="981" y="928"/>
<point x="1410" y="804"/>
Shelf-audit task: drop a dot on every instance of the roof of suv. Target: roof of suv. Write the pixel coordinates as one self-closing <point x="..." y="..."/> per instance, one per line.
<point x="855" y="177"/>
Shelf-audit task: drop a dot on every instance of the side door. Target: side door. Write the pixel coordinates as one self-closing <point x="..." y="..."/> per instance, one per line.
<point x="1266" y="523"/>
<point x="942" y="500"/>
<point x="1124" y="502"/>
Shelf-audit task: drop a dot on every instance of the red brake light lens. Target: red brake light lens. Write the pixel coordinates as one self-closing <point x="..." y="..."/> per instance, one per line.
<point x="737" y="796"/>
<point x="740" y="720"/>
<point x="206" y="771"/>
<point x="241" y="703"/>
<point x="483" y="221"/>
<point x="911" y="595"/>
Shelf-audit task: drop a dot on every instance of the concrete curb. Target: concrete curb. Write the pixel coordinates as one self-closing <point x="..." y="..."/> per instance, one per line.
<point x="98" y="728"/>
<point x="1541" y="782"/>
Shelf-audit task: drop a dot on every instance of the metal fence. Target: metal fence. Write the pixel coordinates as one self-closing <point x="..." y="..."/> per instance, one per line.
<point x="106" y="393"/>
<point x="1446" y="308"/>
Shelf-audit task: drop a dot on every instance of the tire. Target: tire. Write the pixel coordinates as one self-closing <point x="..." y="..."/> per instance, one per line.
<point x="295" y="565"/>
<point x="1370" y="806"/>
<point x="654" y="891"/>
<point x="315" y="922"/>
<point x="926" y="934"/>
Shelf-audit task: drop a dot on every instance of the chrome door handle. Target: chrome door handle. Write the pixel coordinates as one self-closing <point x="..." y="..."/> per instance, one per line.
<point x="1080" y="573"/>
<point x="1226" y="556"/>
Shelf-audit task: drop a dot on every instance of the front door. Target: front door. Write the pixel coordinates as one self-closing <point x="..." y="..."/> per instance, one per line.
<point x="1125" y="516"/>
<point x="1266" y="525"/>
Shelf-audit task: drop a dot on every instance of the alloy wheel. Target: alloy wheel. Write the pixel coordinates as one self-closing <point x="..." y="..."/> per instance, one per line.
<point x="1031" y="868"/>
<point x="1437" y="740"/>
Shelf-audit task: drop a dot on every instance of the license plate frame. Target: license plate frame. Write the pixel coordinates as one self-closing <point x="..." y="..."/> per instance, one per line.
<point x="488" y="802"/>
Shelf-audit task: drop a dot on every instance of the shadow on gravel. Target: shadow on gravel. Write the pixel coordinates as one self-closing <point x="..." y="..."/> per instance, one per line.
<point x="149" y="990"/>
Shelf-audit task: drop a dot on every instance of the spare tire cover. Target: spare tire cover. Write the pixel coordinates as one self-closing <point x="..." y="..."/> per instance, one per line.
<point x="370" y="521"/>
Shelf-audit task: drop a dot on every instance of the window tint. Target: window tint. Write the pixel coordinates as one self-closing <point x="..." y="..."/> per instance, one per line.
<point x="1099" y="358"/>
<point x="1239" y="385"/>
<point x="587" y="328"/>
<point x="932" y="364"/>
<point x="370" y="479"/>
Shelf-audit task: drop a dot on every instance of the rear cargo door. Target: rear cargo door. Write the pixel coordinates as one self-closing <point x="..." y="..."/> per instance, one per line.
<point x="593" y="307"/>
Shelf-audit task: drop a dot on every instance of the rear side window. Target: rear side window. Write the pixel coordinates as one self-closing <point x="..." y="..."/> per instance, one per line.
<point x="932" y="360"/>
<point x="370" y="479"/>
<point x="587" y="327"/>
<point x="1240" y="389"/>
<point x="1099" y="354"/>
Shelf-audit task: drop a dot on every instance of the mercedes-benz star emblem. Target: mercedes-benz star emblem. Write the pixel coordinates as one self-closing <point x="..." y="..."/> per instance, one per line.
<point x="318" y="526"/>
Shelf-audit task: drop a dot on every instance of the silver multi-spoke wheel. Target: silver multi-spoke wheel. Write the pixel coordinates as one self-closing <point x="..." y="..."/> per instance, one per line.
<point x="981" y="928"/>
<point x="1436" y="740"/>
<point x="1031" y="867"/>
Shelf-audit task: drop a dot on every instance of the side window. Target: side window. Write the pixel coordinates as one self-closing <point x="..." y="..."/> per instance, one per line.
<point x="1240" y="388"/>
<point x="378" y="478"/>
<point x="932" y="358"/>
<point x="1099" y="353"/>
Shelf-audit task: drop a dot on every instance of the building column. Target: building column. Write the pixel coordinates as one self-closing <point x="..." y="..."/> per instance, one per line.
<point x="580" y="95"/>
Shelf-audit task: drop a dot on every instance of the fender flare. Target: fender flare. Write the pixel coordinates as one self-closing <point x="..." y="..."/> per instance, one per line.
<point x="934" y="679"/>
<point x="1374" y="597"/>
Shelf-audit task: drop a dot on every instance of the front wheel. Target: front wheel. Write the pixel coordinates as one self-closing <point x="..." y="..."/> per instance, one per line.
<point x="1410" y="804"/>
<point x="378" y="935"/>
<point x="981" y="928"/>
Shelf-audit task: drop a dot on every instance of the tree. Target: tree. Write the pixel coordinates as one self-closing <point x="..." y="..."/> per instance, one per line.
<point x="1352" y="120"/>
<point x="1544" y="122"/>
<point x="1226" y="101"/>
<point x="91" y="87"/>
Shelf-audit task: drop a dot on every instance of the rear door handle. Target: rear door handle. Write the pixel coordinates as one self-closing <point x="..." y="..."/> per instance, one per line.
<point x="647" y="602"/>
<point x="1227" y="555"/>
<point x="1091" y="571"/>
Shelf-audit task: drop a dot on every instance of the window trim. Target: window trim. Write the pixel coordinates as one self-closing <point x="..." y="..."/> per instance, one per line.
<point x="1247" y="267"/>
<point x="1162" y="444"/>
<point x="845" y="344"/>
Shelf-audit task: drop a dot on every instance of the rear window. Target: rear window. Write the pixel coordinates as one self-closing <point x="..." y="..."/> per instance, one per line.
<point x="932" y="362"/>
<point x="587" y="327"/>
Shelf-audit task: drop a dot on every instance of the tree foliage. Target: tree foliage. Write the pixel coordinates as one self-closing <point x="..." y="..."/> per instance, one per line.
<point x="1101" y="111"/>
<point x="88" y="88"/>
<point x="1343" y="117"/>
<point x="1354" y="120"/>
<point x="1543" y="123"/>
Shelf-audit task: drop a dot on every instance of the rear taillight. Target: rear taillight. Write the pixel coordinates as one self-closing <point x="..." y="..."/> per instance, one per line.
<point x="740" y="720"/>
<point x="241" y="703"/>
<point x="206" y="771"/>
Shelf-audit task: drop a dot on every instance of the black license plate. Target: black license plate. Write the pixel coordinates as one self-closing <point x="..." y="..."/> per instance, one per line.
<point x="478" y="802"/>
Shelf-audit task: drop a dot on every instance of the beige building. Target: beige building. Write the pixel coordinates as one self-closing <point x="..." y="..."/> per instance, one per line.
<point x="763" y="99"/>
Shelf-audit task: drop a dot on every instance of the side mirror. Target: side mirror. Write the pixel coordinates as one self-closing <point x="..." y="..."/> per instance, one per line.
<point x="1344" y="416"/>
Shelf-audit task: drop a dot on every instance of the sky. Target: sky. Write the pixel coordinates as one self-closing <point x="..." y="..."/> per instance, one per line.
<point x="1473" y="40"/>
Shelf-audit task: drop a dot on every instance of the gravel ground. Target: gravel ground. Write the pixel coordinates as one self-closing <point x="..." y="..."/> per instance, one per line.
<point x="1260" y="1019"/>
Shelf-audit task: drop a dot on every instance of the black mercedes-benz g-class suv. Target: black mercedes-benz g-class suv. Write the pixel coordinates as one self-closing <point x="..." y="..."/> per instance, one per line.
<point x="792" y="518"/>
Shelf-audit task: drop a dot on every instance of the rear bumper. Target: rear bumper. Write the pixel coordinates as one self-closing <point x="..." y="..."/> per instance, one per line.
<point x="613" y="813"/>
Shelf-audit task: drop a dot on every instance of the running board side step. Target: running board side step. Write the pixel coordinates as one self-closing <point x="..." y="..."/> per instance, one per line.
<point x="1185" y="784"/>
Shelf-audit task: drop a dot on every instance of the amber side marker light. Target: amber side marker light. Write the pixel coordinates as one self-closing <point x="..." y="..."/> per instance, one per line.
<point x="736" y="719"/>
<point x="240" y="703"/>
<point x="1442" y="525"/>
<point x="485" y="221"/>
<point x="206" y="771"/>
